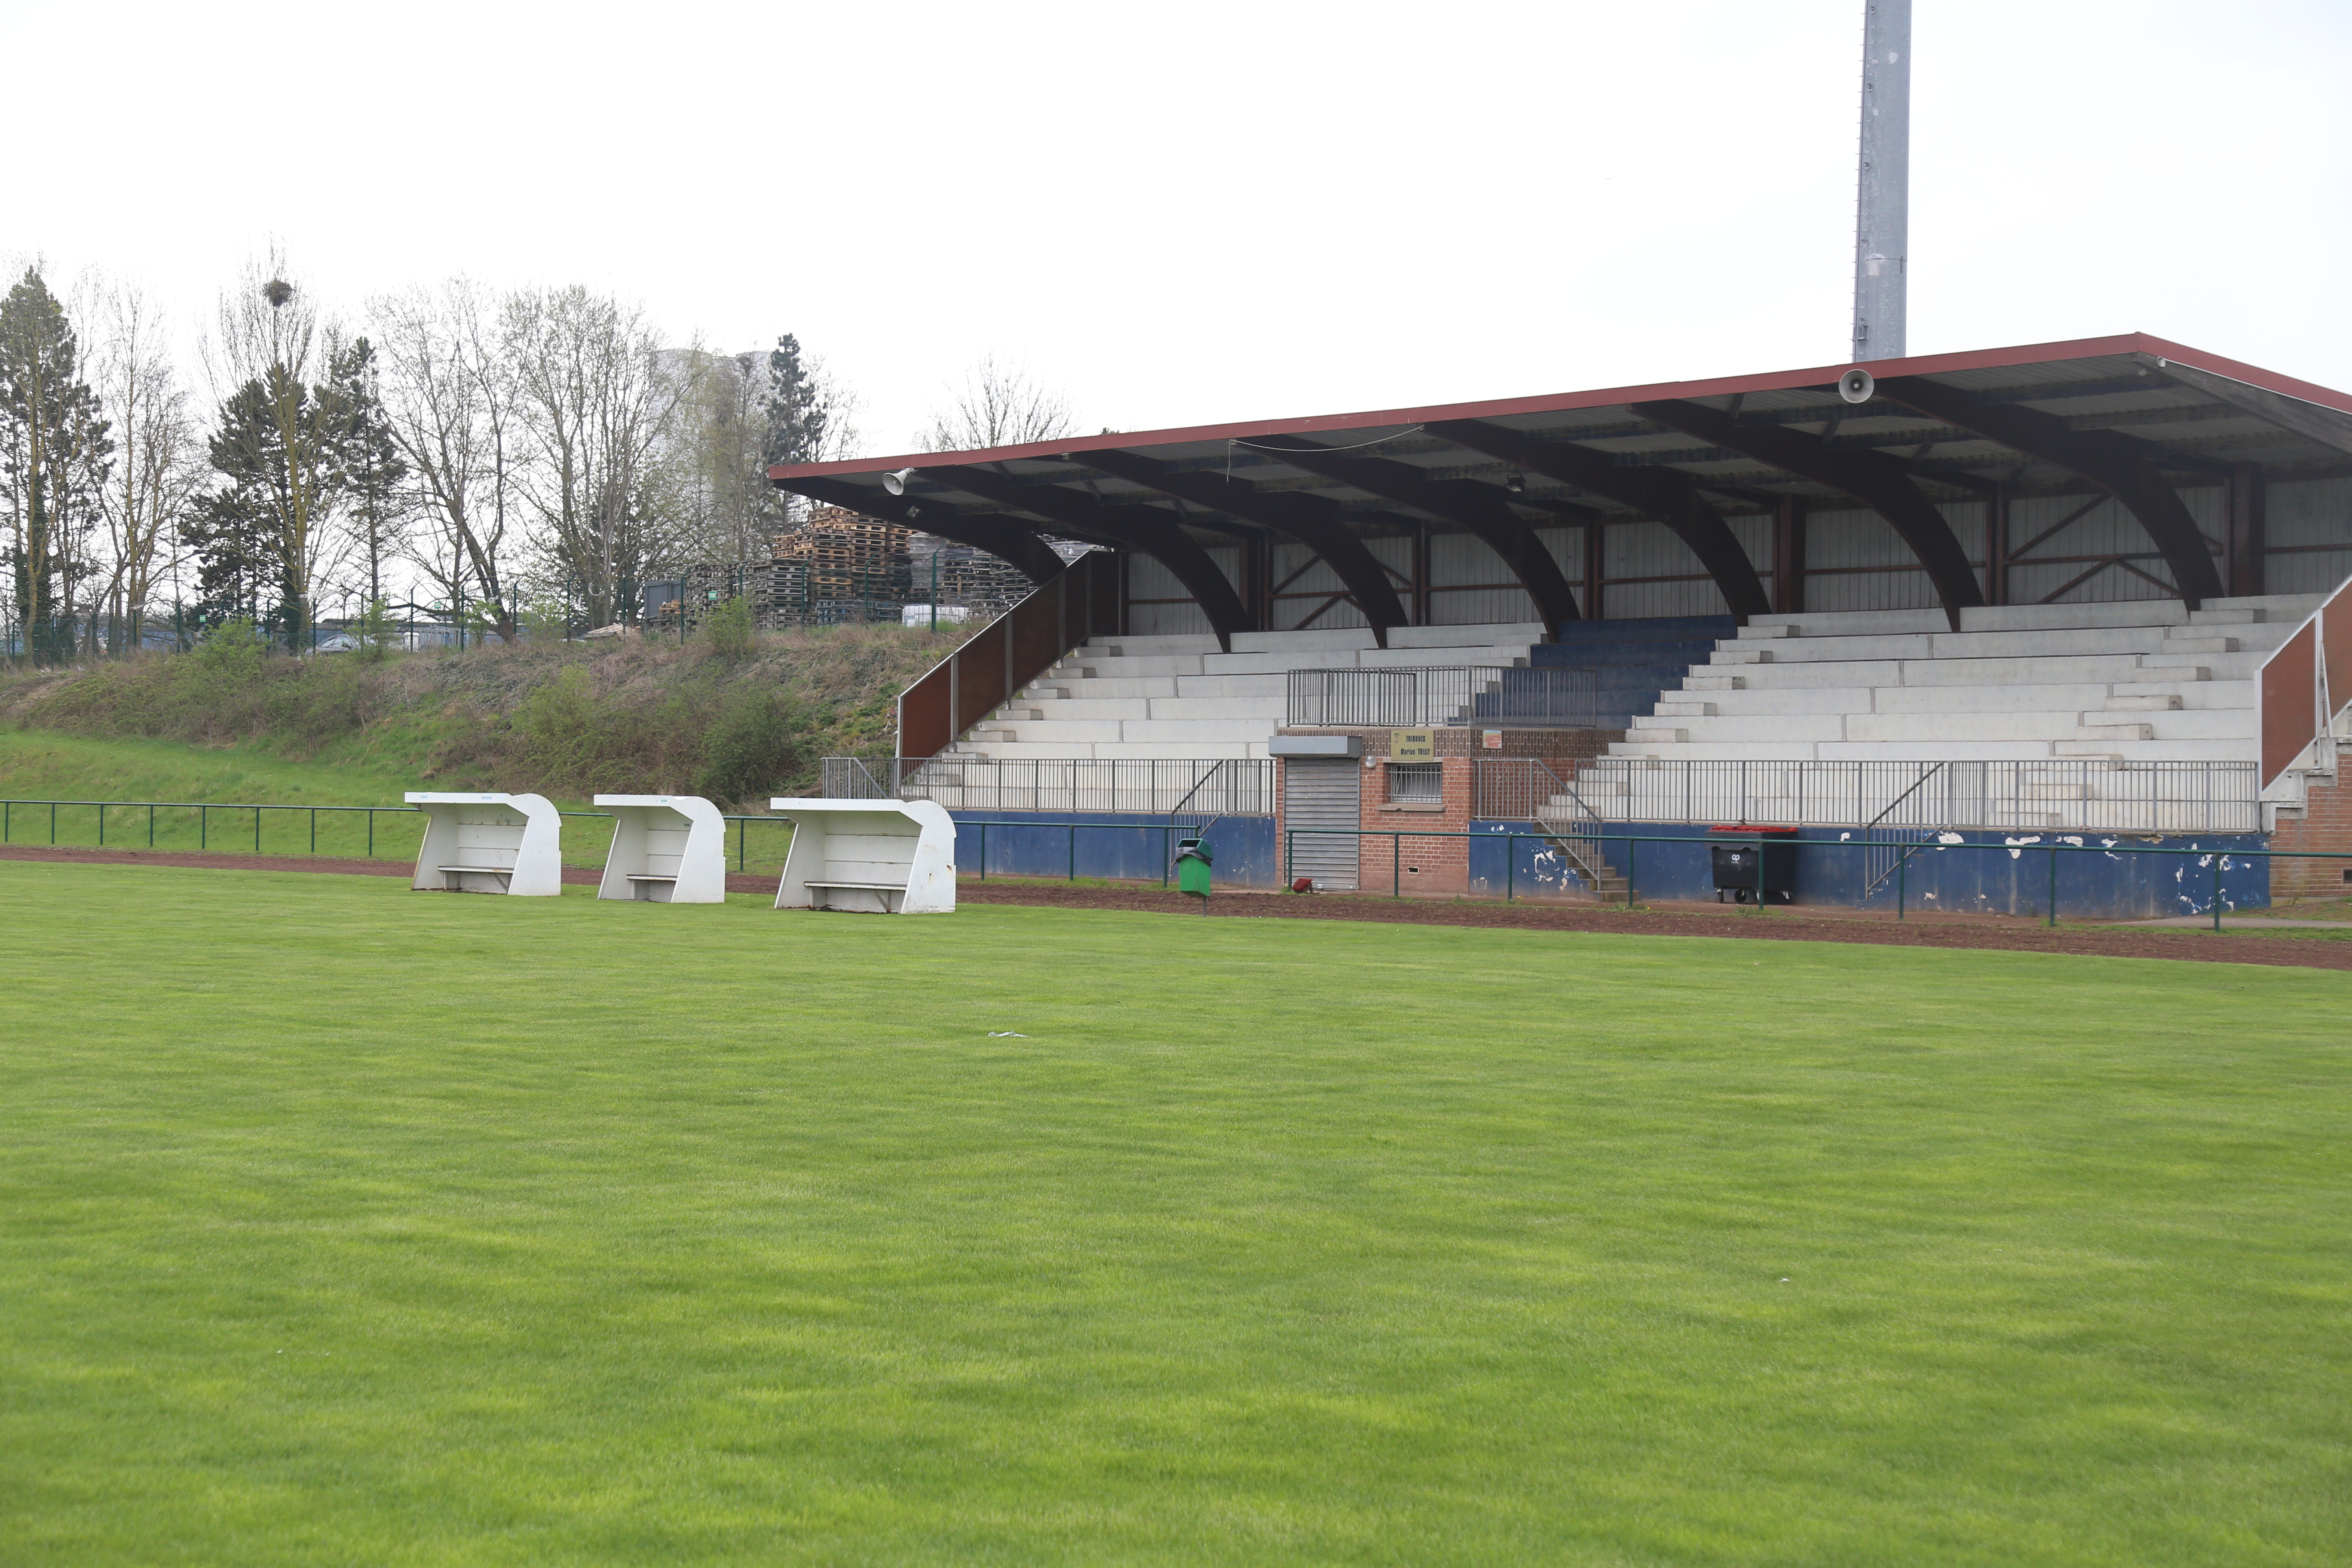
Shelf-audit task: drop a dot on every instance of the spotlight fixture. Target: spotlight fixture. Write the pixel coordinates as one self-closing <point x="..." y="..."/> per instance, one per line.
<point x="896" y="481"/>
<point x="1517" y="484"/>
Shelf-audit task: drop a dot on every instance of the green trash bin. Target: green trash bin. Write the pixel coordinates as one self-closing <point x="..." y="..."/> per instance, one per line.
<point x="1193" y="862"/>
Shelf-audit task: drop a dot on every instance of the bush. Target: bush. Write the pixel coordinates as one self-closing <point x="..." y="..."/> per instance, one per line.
<point x="726" y="632"/>
<point x="750" y="748"/>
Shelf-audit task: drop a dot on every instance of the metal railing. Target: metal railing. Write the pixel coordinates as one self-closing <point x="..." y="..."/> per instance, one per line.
<point x="215" y="820"/>
<point x="2082" y="794"/>
<point x="1233" y="786"/>
<point x="1429" y="695"/>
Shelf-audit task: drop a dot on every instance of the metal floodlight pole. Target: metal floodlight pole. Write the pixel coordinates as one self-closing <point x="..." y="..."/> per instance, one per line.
<point x="1883" y="189"/>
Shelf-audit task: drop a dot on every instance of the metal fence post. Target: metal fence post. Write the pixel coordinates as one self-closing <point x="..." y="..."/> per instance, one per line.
<point x="2053" y="885"/>
<point x="1511" y="865"/>
<point x="2217" y="892"/>
<point x="314" y="830"/>
<point x="371" y="816"/>
<point x="1902" y="873"/>
<point x="1396" y="865"/>
<point x="151" y="824"/>
<point x="53" y="821"/>
<point x="1074" y="853"/>
<point x="1633" y="848"/>
<point x="101" y="824"/>
<point x="203" y="826"/>
<point x="256" y="830"/>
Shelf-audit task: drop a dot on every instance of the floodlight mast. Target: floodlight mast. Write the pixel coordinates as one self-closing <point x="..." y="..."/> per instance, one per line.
<point x="1882" y="193"/>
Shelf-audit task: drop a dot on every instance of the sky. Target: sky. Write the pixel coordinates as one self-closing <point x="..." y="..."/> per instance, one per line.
<point x="1194" y="213"/>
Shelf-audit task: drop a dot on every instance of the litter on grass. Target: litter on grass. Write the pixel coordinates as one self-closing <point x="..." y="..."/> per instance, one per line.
<point x="1006" y="1035"/>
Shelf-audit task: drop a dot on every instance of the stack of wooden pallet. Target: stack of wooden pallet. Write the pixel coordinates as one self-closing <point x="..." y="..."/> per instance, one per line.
<point x="847" y="558"/>
<point x="964" y="575"/>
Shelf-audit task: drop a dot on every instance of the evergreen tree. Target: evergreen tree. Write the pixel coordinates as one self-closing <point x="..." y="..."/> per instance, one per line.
<point x="369" y="464"/>
<point x="53" y="452"/>
<point x="234" y="531"/>
<point x="797" y="410"/>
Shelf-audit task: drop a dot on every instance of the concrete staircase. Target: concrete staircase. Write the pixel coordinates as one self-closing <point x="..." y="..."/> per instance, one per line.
<point x="2134" y="681"/>
<point x="1182" y="697"/>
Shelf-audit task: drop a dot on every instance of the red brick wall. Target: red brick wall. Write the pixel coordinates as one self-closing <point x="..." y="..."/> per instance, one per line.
<point x="1440" y="868"/>
<point x="2324" y="826"/>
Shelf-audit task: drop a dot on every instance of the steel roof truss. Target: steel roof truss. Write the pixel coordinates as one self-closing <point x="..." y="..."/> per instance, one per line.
<point x="1481" y="509"/>
<point x="2126" y="467"/>
<point x="1313" y="520"/>
<point x="1667" y="494"/>
<point x="1141" y="527"/>
<point x="1874" y="478"/>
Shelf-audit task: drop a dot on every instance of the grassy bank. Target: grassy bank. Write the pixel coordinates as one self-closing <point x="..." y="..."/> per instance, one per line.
<point x="404" y="1228"/>
<point x="564" y="719"/>
<point x="38" y="766"/>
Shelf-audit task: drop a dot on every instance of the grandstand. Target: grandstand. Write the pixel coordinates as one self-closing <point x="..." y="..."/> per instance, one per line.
<point x="2086" y="586"/>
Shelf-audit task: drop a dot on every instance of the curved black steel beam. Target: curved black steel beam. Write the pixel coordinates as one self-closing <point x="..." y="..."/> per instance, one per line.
<point x="999" y="537"/>
<point x="1874" y="478"/>
<point x="1667" y="494"/>
<point x="1480" y="508"/>
<point x="2117" y="464"/>
<point x="1144" y="528"/>
<point x="1312" y="520"/>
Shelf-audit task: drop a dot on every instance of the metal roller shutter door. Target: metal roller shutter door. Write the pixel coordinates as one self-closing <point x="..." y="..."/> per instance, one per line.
<point x="1322" y="793"/>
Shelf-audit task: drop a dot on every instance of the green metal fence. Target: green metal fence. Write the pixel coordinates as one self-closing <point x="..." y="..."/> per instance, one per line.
<point x="237" y="826"/>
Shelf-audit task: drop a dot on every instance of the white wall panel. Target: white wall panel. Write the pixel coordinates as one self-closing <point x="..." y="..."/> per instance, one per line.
<point x="1464" y="578"/>
<point x="2309" y="511"/>
<point x="1846" y="550"/>
<point x="2106" y="529"/>
<point x="2307" y="572"/>
<point x="1318" y="579"/>
<point x="1147" y="579"/>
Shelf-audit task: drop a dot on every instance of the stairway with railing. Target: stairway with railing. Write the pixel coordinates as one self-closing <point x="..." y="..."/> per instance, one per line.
<point x="1527" y="789"/>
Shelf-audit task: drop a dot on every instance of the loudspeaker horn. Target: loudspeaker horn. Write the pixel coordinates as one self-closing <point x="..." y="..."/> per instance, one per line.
<point x="1856" y="385"/>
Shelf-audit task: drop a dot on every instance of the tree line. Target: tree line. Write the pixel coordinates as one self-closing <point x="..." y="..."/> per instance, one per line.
<point x="531" y="456"/>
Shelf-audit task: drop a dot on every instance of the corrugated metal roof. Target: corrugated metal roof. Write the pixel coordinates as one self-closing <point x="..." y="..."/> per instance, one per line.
<point x="2115" y="413"/>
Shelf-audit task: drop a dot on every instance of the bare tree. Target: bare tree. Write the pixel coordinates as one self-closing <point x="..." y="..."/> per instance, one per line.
<point x="594" y="403"/>
<point x="160" y="463"/>
<point x="450" y="391"/>
<point x="998" y="404"/>
<point x="271" y="348"/>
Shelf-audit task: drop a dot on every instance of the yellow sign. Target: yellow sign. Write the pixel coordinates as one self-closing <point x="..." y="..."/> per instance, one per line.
<point x="1413" y="745"/>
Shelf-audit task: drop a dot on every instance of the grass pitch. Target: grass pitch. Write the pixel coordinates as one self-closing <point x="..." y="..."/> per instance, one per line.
<point x="343" y="1224"/>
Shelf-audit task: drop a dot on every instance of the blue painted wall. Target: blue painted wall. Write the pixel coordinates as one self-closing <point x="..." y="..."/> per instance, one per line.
<point x="2008" y="878"/>
<point x="1021" y="843"/>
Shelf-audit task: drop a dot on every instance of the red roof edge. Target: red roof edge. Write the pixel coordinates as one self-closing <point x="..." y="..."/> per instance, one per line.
<point x="1775" y="380"/>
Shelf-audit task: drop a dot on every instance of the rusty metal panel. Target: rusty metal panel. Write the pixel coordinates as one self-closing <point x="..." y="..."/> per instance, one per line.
<point x="2289" y="703"/>
<point x="924" y="729"/>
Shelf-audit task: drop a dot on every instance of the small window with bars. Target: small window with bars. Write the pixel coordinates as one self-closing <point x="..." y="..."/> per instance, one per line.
<point x="1417" y="783"/>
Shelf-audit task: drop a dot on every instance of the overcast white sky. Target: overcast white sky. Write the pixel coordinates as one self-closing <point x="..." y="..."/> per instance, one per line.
<point x="1196" y="213"/>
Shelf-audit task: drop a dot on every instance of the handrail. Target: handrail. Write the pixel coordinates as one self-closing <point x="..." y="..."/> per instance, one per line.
<point x="1878" y="868"/>
<point x="1008" y="653"/>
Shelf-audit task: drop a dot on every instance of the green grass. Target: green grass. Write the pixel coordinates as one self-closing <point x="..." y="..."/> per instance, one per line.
<point x="343" y="1224"/>
<point x="39" y="765"/>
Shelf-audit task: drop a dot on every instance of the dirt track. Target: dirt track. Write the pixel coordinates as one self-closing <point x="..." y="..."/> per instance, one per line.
<point x="1984" y="932"/>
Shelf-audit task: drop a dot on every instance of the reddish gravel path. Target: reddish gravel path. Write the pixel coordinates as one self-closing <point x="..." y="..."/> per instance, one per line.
<point x="2321" y="952"/>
